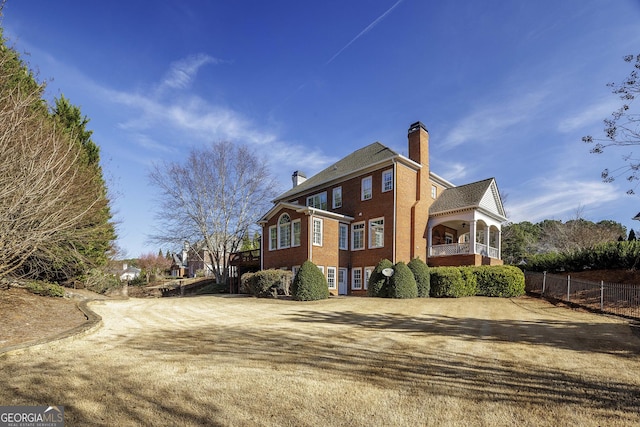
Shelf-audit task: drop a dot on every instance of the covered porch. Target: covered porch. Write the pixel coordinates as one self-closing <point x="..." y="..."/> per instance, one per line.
<point x="465" y="239"/>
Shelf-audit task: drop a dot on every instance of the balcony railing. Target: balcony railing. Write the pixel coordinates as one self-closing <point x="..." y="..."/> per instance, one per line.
<point x="464" y="249"/>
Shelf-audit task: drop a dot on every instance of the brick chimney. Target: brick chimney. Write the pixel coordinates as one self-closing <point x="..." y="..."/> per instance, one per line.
<point x="419" y="144"/>
<point x="298" y="178"/>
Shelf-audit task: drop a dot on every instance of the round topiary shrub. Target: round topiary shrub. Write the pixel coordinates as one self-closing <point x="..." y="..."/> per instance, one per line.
<point x="421" y="273"/>
<point x="447" y="282"/>
<point x="309" y="284"/>
<point x="402" y="283"/>
<point x="377" y="285"/>
<point x="500" y="281"/>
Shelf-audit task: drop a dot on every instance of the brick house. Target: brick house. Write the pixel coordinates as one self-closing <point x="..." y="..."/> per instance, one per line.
<point x="375" y="204"/>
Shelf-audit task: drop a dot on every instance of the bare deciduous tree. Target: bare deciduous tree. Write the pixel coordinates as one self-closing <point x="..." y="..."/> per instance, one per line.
<point x="213" y="199"/>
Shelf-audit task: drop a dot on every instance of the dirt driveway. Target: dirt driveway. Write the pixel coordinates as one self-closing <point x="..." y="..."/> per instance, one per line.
<point x="239" y="361"/>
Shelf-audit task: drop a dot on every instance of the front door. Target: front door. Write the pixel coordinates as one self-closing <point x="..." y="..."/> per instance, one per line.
<point x="342" y="281"/>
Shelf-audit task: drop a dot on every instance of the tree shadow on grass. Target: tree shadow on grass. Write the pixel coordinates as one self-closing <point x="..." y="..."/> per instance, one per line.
<point x="396" y="366"/>
<point x="609" y="338"/>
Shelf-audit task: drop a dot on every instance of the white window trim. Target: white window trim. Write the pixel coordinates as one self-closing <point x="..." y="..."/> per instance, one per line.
<point x="319" y="195"/>
<point x="342" y="227"/>
<point x="271" y="246"/>
<point x="368" y="179"/>
<point x="368" y="271"/>
<point x="293" y="241"/>
<point x="280" y="246"/>
<point x="353" y="240"/>
<point x="434" y="192"/>
<point x="335" y="277"/>
<point x="353" y="279"/>
<point x="390" y="172"/>
<point x="337" y="190"/>
<point x="373" y="235"/>
<point x="313" y="231"/>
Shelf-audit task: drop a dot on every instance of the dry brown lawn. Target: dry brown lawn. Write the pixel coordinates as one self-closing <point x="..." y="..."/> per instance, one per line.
<point x="236" y="361"/>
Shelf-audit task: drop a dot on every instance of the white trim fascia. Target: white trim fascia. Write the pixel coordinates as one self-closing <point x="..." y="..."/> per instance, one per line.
<point x="440" y="180"/>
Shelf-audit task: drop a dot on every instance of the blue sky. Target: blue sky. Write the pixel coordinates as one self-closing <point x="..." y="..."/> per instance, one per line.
<point x="507" y="88"/>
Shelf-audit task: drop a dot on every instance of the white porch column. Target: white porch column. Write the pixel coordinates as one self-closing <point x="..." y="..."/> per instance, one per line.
<point x="472" y="237"/>
<point x="499" y="243"/>
<point x="487" y="240"/>
<point x="429" y="239"/>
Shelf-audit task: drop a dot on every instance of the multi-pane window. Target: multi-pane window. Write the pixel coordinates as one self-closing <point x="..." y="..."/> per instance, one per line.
<point x="367" y="275"/>
<point x="318" y="201"/>
<point x="273" y="238"/>
<point x="367" y="191"/>
<point x="331" y="277"/>
<point x="387" y="180"/>
<point x="295" y="226"/>
<point x="357" y="236"/>
<point x="376" y="233"/>
<point x="343" y="231"/>
<point x="284" y="231"/>
<point x="337" y="197"/>
<point x="356" y="283"/>
<point x="434" y="191"/>
<point x="317" y="231"/>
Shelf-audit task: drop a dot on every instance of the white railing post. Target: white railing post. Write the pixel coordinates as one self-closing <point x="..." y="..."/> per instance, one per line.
<point x="602" y="295"/>
<point x="568" y="288"/>
<point x="544" y="280"/>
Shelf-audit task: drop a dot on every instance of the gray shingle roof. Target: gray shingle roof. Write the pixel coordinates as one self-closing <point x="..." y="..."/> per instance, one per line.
<point x="464" y="196"/>
<point x="359" y="159"/>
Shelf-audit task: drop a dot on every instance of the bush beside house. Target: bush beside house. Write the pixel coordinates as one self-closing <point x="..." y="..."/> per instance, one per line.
<point x="421" y="273"/>
<point x="499" y="281"/>
<point x="309" y="284"/>
<point x="267" y="283"/>
<point x="377" y="285"/>
<point x="402" y="284"/>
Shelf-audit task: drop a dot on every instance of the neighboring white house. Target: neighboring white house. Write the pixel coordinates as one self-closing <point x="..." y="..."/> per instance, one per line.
<point x="129" y="273"/>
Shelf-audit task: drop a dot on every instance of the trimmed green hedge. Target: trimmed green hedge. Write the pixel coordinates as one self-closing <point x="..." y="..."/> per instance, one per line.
<point x="499" y="281"/>
<point x="491" y="281"/>
<point x="402" y="284"/>
<point x="309" y="284"/>
<point x="448" y="282"/>
<point x="421" y="273"/>
<point x="45" y="289"/>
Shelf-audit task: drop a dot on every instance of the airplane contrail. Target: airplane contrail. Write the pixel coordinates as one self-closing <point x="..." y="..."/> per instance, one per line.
<point x="363" y="32"/>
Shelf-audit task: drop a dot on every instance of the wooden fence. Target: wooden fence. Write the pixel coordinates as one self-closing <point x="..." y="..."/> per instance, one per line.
<point x="612" y="298"/>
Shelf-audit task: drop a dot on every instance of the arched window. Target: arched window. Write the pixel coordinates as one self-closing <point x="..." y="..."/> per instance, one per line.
<point x="284" y="231"/>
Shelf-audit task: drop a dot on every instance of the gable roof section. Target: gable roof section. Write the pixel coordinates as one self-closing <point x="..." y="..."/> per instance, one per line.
<point x="481" y="195"/>
<point x="360" y="159"/>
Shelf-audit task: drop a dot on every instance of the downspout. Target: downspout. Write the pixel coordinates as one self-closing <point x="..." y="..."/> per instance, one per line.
<point x="395" y="209"/>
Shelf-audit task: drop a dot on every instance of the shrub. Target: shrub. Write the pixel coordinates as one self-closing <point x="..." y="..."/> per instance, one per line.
<point x="470" y="287"/>
<point x="377" y="286"/>
<point x="499" y="281"/>
<point x="309" y="284"/>
<point x="267" y="283"/>
<point x="421" y="274"/>
<point x="45" y="289"/>
<point x="402" y="283"/>
<point x="447" y="282"/>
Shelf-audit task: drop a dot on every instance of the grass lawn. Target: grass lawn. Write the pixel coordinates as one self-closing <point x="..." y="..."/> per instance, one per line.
<point x="237" y="361"/>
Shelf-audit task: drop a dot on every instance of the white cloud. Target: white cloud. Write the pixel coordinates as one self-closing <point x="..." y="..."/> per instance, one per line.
<point x="182" y="72"/>
<point x="490" y="121"/>
<point x="588" y="116"/>
<point x="559" y="199"/>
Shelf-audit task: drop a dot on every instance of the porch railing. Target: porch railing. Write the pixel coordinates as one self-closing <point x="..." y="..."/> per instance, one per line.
<point x="463" y="248"/>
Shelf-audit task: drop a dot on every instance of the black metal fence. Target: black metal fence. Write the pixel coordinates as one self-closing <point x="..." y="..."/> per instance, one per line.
<point x="612" y="298"/>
